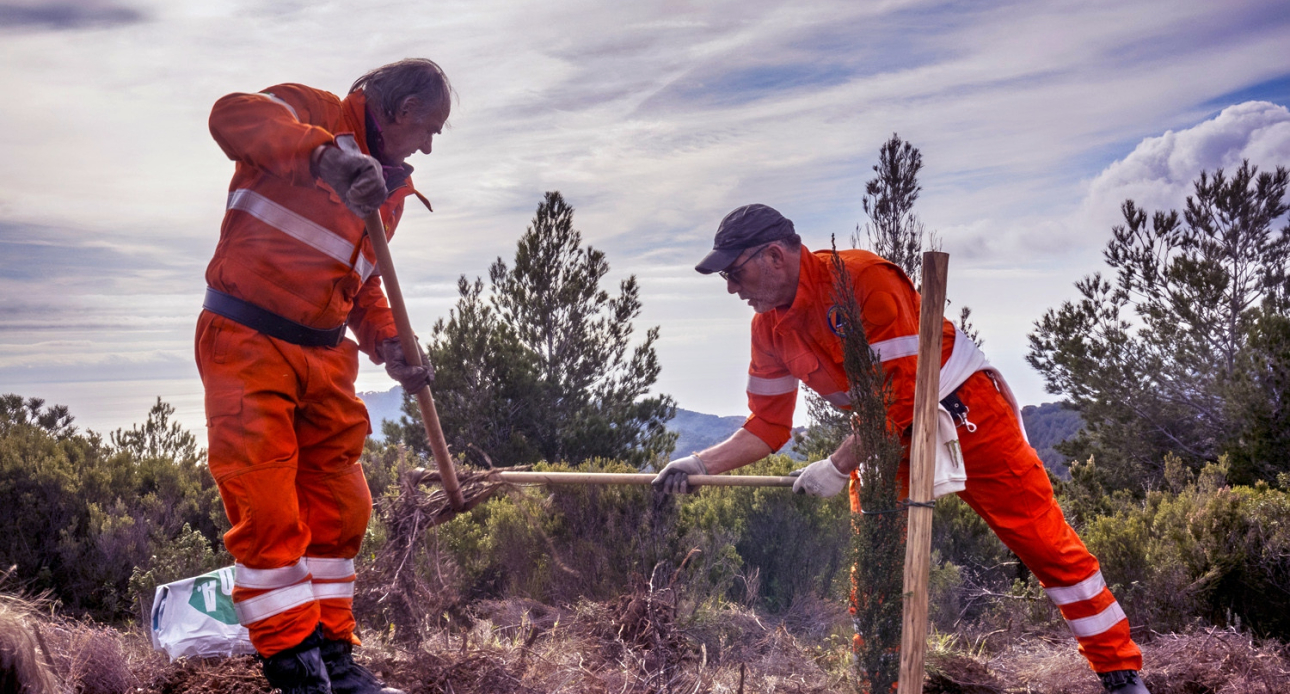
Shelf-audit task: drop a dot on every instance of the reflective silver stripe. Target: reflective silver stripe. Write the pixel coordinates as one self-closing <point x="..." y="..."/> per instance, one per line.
<point x="1098" y="623"/>
<point x="328" y="569"/>
<point x="260" y="579"/>
<point x="275" y="99"/>
<point x="323" y="591"/>
<point x="275" y="602"/>
<point x="896" y="347"/>
<point x="771" y="386"/>
<point x="1084" y="590"/>
<point x="304" y="230"/>
<point x="838" y="399"/>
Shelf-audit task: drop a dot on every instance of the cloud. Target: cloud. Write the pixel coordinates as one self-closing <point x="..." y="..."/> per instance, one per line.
<point x="63" y="16"/>
<point x="1158" y="174"/>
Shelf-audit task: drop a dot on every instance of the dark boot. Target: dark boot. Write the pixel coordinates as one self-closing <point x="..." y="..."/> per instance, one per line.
<point x="1123" y="682"/>
<point x="347" y="676"/>
<point x="299" y="670"/>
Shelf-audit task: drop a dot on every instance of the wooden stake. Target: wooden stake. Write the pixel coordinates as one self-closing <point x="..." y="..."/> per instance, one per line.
<point x="408" y="340"/>
<point x="922" y="472"/>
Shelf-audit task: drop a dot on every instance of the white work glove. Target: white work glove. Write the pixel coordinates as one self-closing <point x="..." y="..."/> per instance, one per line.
<point x="675" y="478"/>
<point x="412" y="378"/>
<point x="356" y="177"/>
<point x="820" y="478"/>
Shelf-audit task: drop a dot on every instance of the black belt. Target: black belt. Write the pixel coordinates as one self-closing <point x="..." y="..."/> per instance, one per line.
<point x="958" y="411"/>
<point x="270" y="324"/>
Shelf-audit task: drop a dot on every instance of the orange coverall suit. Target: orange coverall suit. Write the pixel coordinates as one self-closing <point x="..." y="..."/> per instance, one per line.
<point x="285" y="426"/>
<point x="1006" y="482"/>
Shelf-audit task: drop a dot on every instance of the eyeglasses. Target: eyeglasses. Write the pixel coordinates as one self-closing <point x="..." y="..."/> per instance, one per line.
<point x="733" y="272"/>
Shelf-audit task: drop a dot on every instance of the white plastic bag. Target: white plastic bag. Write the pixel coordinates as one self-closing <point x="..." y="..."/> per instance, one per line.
<point x="194" y="618"/>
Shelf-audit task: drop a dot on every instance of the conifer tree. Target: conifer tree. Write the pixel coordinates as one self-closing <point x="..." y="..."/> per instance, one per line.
<point x="544" y="367"/>
<point x="1161" y="359"/>
<point x="878" y="532"/>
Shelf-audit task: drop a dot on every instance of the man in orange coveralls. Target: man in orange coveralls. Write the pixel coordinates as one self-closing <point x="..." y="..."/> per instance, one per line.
<point x="293" y="269"/>
<point x="758" y="254"/>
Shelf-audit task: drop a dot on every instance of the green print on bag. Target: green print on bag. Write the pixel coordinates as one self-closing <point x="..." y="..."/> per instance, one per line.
<point x="213" y="595"/>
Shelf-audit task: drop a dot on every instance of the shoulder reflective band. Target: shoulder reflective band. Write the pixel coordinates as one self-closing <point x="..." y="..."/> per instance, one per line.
<point x="274" y="602"/>
<point x="261" y="579"/>
<point x="330" y="569"/>
<point x="896" y="347"/>
<point x="771" y="386"/>
<point x="1098" y="623"/>
<point x="276" y="100"/>
<point x="1086" y="589"/>
<point x="300" y="228"/>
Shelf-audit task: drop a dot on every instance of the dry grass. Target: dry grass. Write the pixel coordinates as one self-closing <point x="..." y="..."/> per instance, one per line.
<point x="639" y="643"/>
<point x="24" y="665"/>
<point x="1198" y="661"/>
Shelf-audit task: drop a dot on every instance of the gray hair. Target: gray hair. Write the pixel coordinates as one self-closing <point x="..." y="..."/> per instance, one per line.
<point x="388" y="86"/>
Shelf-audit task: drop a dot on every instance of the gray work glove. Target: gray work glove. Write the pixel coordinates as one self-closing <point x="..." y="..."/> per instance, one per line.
<point x="412" y="378"/>
<point x="356" y="177"/>
<point x="675" y="478"/>
<point x="820" y="478"/>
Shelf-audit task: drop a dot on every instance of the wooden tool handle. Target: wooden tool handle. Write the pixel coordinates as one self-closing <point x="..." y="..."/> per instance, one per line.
<point x="412" y="351"/>
<point x="922" y="473"/>
<point x="636" y="478"/>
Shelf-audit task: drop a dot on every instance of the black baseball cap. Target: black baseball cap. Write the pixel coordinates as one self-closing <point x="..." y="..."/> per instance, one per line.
<point x="743" y="228"/>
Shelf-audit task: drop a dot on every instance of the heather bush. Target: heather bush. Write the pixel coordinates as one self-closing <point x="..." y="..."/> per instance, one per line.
<point x="79" y="515"/>
<point x="1208" y="552"/>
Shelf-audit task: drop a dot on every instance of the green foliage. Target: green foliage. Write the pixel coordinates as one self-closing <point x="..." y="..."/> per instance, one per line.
<point x="188" y="554"/>
<point x="484" y="386"/>
<point x="760" y="547"/>
<point x="1206" y="552"/>
<point x="1258" y="401"/>
<point x="14" y="412"/>
<point x="829" y="427"/>
<point x="158" y="437"/>
<point x="1151" y="360"/>
<point x="78" y="515"/>
<point x="543" y="369"/>
<point x="894" y="231"/>
<point x="968" y="561"/>
<point x="878" y="532"/>
<point x="564" y="542"/>
<point x="764" y="543"/>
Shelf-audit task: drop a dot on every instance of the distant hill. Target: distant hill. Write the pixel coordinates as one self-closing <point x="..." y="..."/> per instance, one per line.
<point x="696" y="430"/>
<point x="1048" y="425"/>
<point x="382" y="405"/>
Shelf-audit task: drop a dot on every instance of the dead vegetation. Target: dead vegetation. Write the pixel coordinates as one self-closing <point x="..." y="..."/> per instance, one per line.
<point x="636" y="643"/>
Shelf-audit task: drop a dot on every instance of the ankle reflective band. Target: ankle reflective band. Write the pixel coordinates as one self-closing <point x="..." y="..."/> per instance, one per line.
<point x="330" y="569"/>
<point x="274" y="602"/>
<point x="261" y="579"/>
<point x="1098" y="623"/>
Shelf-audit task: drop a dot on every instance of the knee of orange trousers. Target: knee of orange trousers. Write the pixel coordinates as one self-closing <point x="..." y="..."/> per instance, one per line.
<point x="284" y="630"/>
<point x="267" y="531"/>
<point x="1111" y="650"/>
<point x="337" y="616"/>
<point x="336" y="508"/>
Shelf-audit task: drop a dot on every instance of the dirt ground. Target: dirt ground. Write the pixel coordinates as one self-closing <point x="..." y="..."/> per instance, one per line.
<point x="637" y="644"/>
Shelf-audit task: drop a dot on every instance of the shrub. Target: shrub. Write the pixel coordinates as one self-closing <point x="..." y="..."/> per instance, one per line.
<point x="1209" y="552"/>
<point x="78" y="515"/>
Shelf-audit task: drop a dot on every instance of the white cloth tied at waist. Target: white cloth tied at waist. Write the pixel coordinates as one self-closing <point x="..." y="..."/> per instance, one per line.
<point x="965" y="359"/>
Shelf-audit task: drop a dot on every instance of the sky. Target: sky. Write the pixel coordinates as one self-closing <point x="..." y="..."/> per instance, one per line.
<point x="1035" y="121"/>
